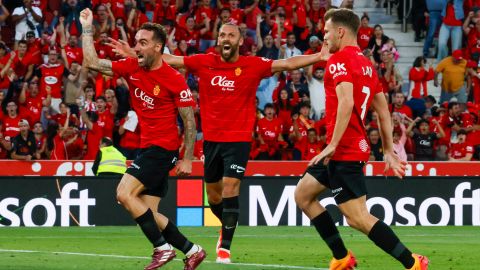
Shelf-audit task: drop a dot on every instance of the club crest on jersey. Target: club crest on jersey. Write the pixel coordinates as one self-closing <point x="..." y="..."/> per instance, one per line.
<point x="238" y="71"/>
<point x="156" y="90"/>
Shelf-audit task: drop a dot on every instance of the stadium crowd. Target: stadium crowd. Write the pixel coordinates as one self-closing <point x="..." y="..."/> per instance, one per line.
<point x="43" y="83"/>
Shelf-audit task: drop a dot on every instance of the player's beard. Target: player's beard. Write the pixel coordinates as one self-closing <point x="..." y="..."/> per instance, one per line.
<point x="147" y="61"/>
<point x="231" y="53"/>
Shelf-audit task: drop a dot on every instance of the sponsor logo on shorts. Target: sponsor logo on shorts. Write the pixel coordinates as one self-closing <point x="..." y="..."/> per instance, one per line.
<point x="237" y="168"/>
<point x="174" y="160"/>
<point x="133" y="165"/>
<point x="336" y="191"/>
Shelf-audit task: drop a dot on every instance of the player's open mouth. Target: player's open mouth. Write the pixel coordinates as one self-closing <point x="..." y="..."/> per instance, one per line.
<point x="140" y="58"/>
<point x="227" y="48"/>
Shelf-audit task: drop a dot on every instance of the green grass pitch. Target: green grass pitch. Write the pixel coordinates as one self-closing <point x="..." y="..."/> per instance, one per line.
<point x="253" y="248"/>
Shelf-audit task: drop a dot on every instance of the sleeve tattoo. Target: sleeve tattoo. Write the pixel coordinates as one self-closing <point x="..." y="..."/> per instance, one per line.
<point x="190" y="128"/>
<point x="90" y="54"/>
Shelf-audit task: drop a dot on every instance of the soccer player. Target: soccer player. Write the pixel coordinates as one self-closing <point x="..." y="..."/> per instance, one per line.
<point x="228" y="85"/>
<point x="351" y="88"/>
<point x="157" y="93"/>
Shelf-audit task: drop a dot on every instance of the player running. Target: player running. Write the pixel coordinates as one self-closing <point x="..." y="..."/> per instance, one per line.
<point x="351" y="88"/>
<point x="228" y="85"/>
<point x="157" y="92"/>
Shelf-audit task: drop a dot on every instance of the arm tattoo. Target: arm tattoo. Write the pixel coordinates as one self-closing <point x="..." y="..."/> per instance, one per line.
<point x="90" y="54"/>
<point x="190" y="130"/>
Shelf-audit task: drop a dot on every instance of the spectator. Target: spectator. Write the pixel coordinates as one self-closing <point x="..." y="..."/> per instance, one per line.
<point x="4" y="13"/>
<point x="269" y="134"/>
<point x="424" y="139"/>
<point x="390" y="77"/>
<point x="109" y="160"/>
<point x="51" y="76"/>
<point x="376" y="43"/>
<point x="35" y="47"/>
<point x="376" y="149"/>
<point x="434" y="15"/>
<point x="26" y="18"/>
<point x="56" y="147"/>
<point x="461" y="150"/>
<point x="399" y="106"/>
<point x="74" y="144"/>
<point x="89" y="99"/>
<point x="64" y="115"/>
<point x="23" y="145"/>
<point x="312" y="146"/>
<point x="94" y="133"/>
<point x="72" y="86"/>
<point x="106" y="115"/>
<point x="473" y="36"/>
<point x="23" y="65"/>
<point x="419" y="9"/>
<point x="290" y="49"/>
<point x="202" y="12"/>
<point x="454" y="70"/>
<point x="419" y="77"/>
<point x="298" y="131"/>
<point x="104" y="20"/>
<point x="5" y="145"/>
<point x="40" y="140"/>
<point x="267" y="47"/>
<point x="6" y="63"/>
<point x="10" y="121"/>
<point x="453" y="15"/>
<point x="31" y="99"/>
<point x="399" y="138"/>
<point x="365" y="32"/>
<point x="248" y="41"/>
<point x="285" y="102"/>
<point x="71" y="12"/>
<point x="71" y="52"/>
<point x="297" y="83"/>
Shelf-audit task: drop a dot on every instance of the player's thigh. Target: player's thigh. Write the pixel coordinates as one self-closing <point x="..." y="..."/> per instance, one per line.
<point x="213" y="163"/>
<point x="152" y="167"/>
<point x="347" y="181"/>
<point x="129" y="186"/>
<point x="308" y="188"/>
<point x="235" y="157"/>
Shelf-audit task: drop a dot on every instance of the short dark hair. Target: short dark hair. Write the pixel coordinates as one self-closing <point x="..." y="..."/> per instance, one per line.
<point x="102" y="98"/>
<point x="106" y="141"/>
<point x="159" y="33"/>
<point x="231" y="23"/>
<point x="268" y="105"/>
<point x="418" y="61"/>
<point x="345" y="17"/>
<point x="452" y="104"/>
<point x="23" y="41"/>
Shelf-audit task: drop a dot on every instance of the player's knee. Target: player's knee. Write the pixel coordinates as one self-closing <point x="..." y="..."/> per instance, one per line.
<point x="300" y="199"/>
<point x="357" y="222"/>
<point x="231" y="190"/>
<point x="123" y="195"/>
<point x="214" y="197"/>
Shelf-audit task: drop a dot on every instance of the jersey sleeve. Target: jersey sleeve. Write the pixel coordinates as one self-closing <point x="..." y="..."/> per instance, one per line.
<point x="263" y="66"/>
<point x="181" y="93"/>
<point x="339" y="68"/>
<point x="193" y="62"/>
<point x="124" y="66"/>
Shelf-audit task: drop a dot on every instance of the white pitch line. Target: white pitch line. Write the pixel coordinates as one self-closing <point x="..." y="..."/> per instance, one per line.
<point x="141" y="257"/>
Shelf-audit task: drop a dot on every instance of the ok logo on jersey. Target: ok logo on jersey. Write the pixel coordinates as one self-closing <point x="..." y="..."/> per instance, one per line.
<point x="337" y="69"/>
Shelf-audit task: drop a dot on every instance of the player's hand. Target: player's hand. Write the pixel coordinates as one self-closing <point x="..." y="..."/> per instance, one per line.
<point x="324" y="53"/>
<point x="393" y="162"/>
<point x="121" y="48"/>
<point x="86" y="17"/>
<point x="184" y="167"/>
<point x="326" y="154"/>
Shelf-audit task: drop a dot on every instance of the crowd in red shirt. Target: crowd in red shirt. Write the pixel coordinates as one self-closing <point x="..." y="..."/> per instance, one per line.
<point x="41" y="79"/>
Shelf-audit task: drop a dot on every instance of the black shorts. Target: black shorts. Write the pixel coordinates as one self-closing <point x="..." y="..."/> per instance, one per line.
<point x="151" y="167"/>
<point x="344" y="178"/>
<point x="225" y="159"/>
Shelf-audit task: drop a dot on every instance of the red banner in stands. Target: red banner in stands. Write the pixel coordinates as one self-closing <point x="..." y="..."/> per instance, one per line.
<point x="254" y="168"/>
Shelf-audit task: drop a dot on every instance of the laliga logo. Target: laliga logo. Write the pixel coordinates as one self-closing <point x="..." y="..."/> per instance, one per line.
<point x="222" y="81"/>
<point x="148" y="101"/>
<point x="64" y="202"/>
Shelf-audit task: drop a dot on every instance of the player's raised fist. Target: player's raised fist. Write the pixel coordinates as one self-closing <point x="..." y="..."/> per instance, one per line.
<point x="86" y="17"/>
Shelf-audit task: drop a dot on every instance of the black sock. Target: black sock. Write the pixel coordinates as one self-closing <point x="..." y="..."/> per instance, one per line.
<point x="150" y="228"/>
<point x="217" y="209"/>
<point x="176" y="238"/>
<point x="229" y="220"/>
<point x="386" y="239"/>
<point x="329" y="233"/>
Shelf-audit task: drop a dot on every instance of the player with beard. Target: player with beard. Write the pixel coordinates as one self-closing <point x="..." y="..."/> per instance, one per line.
<point x="351" y="88"/>
<point x="228" y="85"/>
<point x="158" y="93"/>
